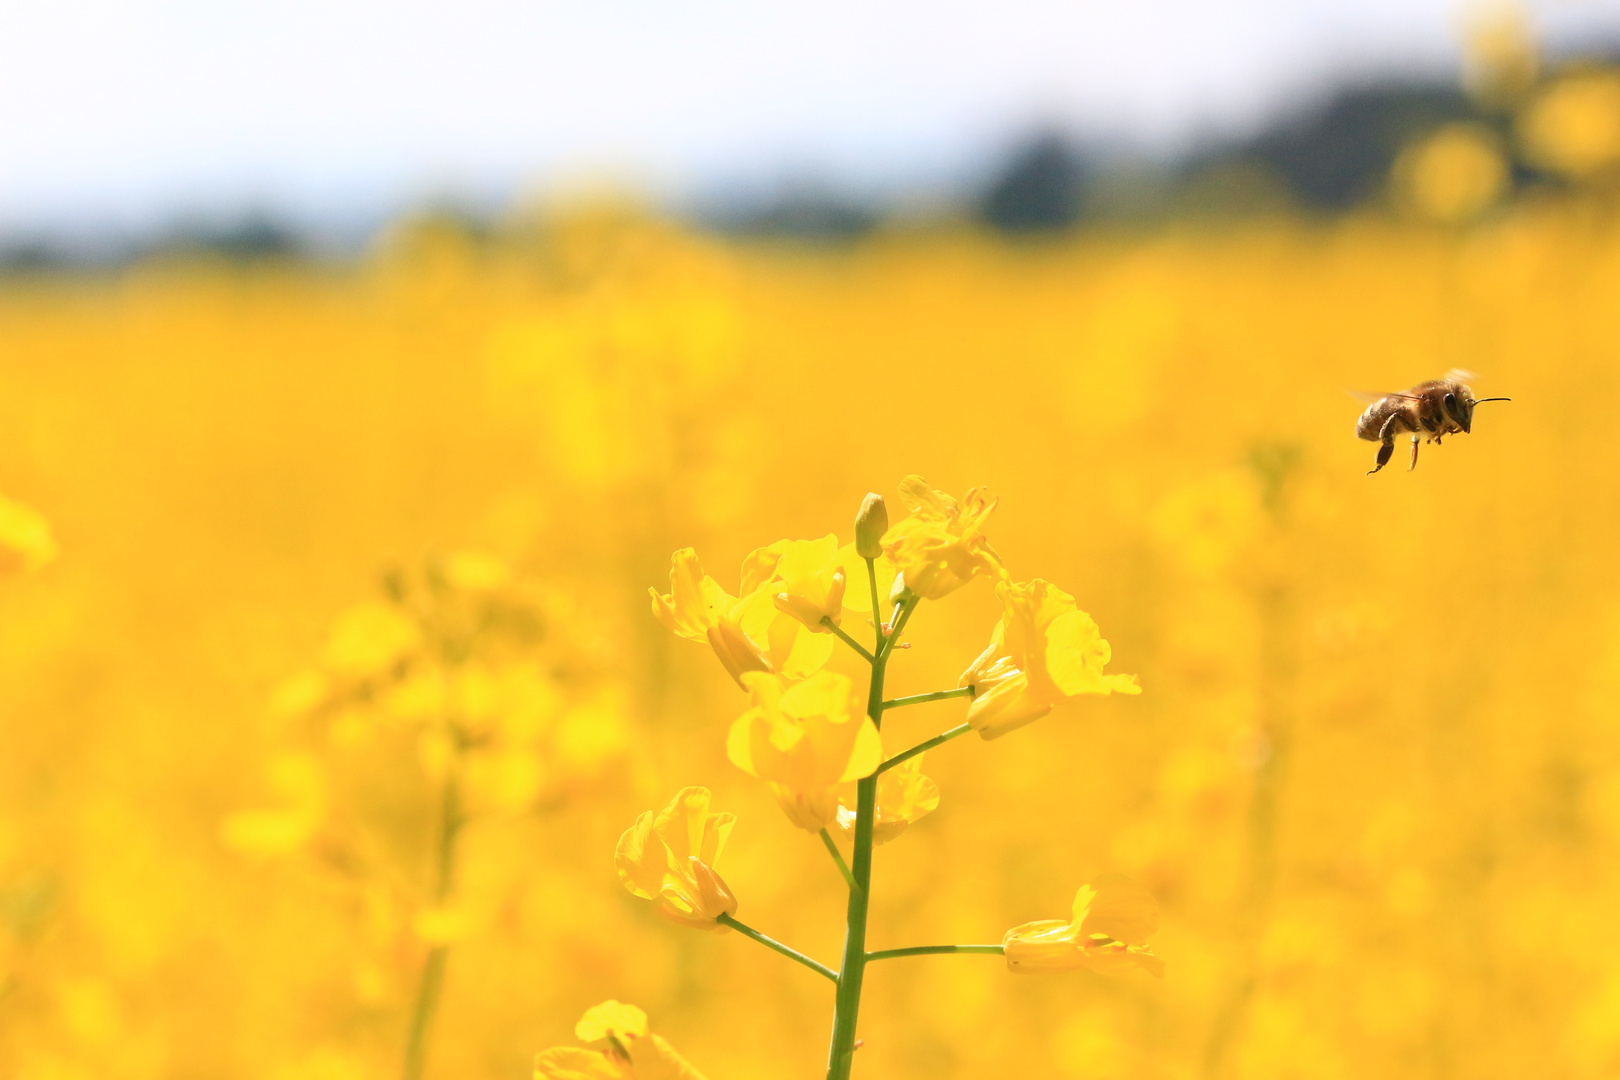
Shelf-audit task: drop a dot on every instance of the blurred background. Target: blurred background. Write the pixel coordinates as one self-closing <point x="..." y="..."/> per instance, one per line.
<point x="361" y="366"/>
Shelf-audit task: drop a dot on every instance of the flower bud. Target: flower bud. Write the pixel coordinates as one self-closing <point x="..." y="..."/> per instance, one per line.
<point x="870" y="524"/>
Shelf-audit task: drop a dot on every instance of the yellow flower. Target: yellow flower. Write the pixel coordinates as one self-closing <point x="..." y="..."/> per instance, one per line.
<point x="25" y="538"/>
<point x="904" y="795"/>
<point x="939" y="548"/>
<point x="669" y="857"/>
<point x="631" y="1051"/>
<point x="805" y="740"/>
<point x="747" y="633"/>
<point x="1112" y="920"/>
<point x="809" y="582"/>
<point x="1044" y="650"/>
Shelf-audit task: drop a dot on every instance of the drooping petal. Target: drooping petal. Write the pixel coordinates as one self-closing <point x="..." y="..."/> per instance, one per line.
<point x="1112" y="920"/>
<point x="669" y="857"/>
<point x="904" y="795"/>
<point x="1118" y="907"/>
<point x="1044" y="650"/>
<point x="804" y="740"/>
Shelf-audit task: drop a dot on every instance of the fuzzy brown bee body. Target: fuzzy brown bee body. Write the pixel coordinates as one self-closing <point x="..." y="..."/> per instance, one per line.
<point x="1428" y="412"/>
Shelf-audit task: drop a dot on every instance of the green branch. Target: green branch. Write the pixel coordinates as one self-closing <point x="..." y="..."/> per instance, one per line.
<point x="921" y="699"/>
<point x="838" y="857"/>
<point x="772" y="943"/>
<point x="929" y="744"/>
<point x="846" y="639"/>
<point x="929" y="950"/>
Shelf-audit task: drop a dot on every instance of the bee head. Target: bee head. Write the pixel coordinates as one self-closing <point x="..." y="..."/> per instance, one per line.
<point x="1459" y="405"/>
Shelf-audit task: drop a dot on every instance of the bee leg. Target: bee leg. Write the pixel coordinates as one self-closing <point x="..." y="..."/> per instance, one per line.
<point x="1386" y="435"/>
<point x="1384" y="453"/>
<point x="1412" y="466"/>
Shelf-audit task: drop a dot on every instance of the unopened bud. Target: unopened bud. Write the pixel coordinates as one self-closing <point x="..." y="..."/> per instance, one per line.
<point x="870" y="524"/>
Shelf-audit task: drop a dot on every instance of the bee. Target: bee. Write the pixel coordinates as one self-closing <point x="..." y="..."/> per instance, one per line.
<point x="1435" y="409"/>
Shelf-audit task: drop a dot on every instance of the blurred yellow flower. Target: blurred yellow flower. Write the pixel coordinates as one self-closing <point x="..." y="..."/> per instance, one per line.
<point x="669" y="857"/>
<point x="370" y="639"/>
<point x="747" y="633"/>
<point x="904" y="795"/>
<point x="299" y="782"/>
<point x="805" y="740"/>
<point x="1501" y="59"/>
<point x="940" y="547"/>
<point x="612" y="1020"/>
<point x="25" y="538"/>
<point x="476" y="571"/>
<point x="1573" y="126"/>
<point x="631" y="1052"/>
<point x="1112" y="920"/>
<point x="442" y="925"/>
<point x="1043" y="651"/>
<point x="1454" y="174"/>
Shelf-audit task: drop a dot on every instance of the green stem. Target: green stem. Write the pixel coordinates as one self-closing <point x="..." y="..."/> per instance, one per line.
<point x="840" y="1055"/>
<point x="877" y="615"/>
<point x="929" y="744"/>
<point x="444" y="872"/>
<point x="846" y="639"/>
<point x="772" y="943"/>
<point x="929" y="950"/>
<point x="838" y="857"/>
<point x="922" y="699"/>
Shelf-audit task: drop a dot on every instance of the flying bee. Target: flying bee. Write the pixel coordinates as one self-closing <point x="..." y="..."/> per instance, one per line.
<point x="1434" y="409"/>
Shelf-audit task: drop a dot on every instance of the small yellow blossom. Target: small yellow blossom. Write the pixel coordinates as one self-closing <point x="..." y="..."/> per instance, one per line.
<point x="747" y="633"/>
<point x="1112" y="920"/>
<point x="25" y="538"/>
<point x="809" y="582"/>
<point x="940" y="547"/>
<point x="805" y="740"/>
<point x="904" y="795"/>
<point x="631" y="1052"/>
<point x="669" y="857"/>
<point x="1044" y="650"/>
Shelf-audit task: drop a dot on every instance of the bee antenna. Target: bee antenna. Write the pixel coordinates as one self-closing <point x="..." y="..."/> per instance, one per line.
<point x="1479" y="400"/>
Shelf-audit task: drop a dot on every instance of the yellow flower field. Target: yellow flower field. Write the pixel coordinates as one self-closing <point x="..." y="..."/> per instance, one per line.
<point x="299" y="514"/>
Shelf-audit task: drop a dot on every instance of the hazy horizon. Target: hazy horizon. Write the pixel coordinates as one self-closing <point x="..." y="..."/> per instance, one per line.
<point x="342" y="113"/>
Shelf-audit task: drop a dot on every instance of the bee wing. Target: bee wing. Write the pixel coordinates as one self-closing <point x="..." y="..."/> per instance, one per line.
<point x="1462" y="375"/>
<point x="1372" y="397"/>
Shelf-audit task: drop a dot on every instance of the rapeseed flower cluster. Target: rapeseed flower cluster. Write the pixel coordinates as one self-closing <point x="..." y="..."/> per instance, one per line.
<point x="808" y="732"/>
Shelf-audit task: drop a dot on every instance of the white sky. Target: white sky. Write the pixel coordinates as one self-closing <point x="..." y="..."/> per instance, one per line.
<point x="121" y="113"/>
